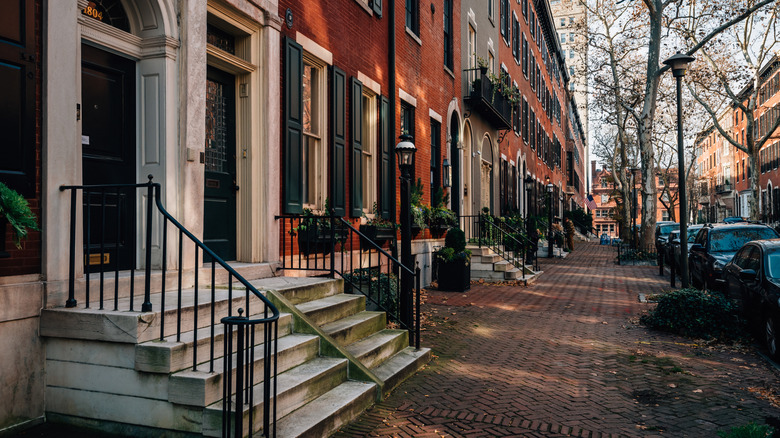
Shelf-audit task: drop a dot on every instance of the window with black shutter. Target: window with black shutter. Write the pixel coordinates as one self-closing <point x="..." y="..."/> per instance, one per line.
<point x="413" y="16"/>
<point x="356" y="158"/>
<point x="293" y="126"/>
<point x="435" y="155"/>
<point x="387" y="188"/>
<point x="338" y="196"/>
<point x="448" y="49"/>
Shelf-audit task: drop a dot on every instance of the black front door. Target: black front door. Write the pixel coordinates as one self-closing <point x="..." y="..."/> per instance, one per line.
<point x="219" y="198"/>
<point x="108" y="151"/>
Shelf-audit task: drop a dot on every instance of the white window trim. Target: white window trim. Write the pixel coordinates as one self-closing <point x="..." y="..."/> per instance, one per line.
<point x="369" y="83"/>
<point x="406" y="97"/>
<point x="314" y="49"/>
<point x="321" y="161"/>
<point x="370" y="148"/>
<point x="434" y="115"/>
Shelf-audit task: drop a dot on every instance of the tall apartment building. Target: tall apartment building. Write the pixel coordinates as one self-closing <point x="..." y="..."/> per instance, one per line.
<point x="571" y="23"/>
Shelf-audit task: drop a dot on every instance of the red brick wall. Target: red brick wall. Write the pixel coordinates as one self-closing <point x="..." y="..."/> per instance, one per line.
<point x="421" y="73"/>
<point x="28" y="259"/>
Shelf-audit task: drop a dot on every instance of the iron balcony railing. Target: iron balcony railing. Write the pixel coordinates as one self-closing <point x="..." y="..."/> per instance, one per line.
<point x="332" y="246"/>
<point x="723" y="188"/>
<point x="486" y="98"/>
<point x="114" y="206"/>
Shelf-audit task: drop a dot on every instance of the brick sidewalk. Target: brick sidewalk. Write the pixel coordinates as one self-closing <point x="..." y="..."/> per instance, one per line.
<point x="562" y="358"/>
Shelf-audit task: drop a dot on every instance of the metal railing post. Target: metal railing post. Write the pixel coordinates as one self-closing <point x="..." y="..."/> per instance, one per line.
<point x="147" y="305"/>
<point x="417" y="317"/>
<point x="71" y="302"/>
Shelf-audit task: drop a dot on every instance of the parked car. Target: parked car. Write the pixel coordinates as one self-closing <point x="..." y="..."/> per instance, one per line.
<point x="693" y="230"/>
<point x="662" y="230"/>
<point x="672" y="254"/>
<point x="753" y="277"/>
<point x="734" y="220"/>
<point x="715" y="246"/>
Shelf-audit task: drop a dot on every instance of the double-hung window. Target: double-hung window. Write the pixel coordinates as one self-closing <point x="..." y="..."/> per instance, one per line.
<point x="448" y="49"/>
<point x="515" y="38"/>
<point x="413" y="16"/>
<point x="525" y="56"/>
<point x="314" y="160"/>
<point x="369" y="140"/>
<point x="504" y="18"/>
<point x="435" y="155"/>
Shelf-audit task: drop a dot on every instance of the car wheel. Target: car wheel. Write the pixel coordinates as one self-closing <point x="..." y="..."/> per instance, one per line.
<point x="770" y="332"/>
<point x="692" y="275"/>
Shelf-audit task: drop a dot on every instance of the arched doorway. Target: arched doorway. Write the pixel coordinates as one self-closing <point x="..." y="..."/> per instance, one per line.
<point x="486" y="174"/>
<point x="468" y="150"/>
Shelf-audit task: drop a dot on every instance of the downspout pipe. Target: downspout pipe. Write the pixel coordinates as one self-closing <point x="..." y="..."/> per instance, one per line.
<point x="393" y="104"/>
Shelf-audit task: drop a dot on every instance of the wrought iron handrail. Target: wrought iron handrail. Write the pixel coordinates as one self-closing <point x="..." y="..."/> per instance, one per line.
<point x="362" y="263"/>
<point x="514" y="233"/>
<point x="270" y="314"/>
<point x="483" y="231"/>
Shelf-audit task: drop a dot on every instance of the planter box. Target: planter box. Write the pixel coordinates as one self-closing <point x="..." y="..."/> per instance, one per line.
<point x="3" y="253"/>
<point x="454" y="276"/>
<point x="415" y="229"/>
<point x="377" y="234"/>
<point x="438" y="231"/>
<point x="314" y="240"/>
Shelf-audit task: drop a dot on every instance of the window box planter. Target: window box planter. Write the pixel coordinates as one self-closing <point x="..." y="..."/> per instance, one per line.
<point x="415" y="229"/>
<point x="315" y="239"/>
<point x="437" y="230"/>
<point x="455" y="275"/>
<point x="376" y="233"/>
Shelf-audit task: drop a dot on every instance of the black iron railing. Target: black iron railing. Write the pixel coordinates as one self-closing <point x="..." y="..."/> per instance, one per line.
<point x="630" y="255"/>
<point x="110" y="232"/>
<point x="508" y="242"/>
<point x="487" y="98"/>
<point x="332" y="246"/>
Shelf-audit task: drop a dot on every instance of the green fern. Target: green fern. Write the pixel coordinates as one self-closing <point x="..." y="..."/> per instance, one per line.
<point x="14" y="208"/>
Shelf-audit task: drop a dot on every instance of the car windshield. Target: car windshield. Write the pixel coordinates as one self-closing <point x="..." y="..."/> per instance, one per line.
<point x="773" y="264"/>
<point x="692" y="235"/>
<point x="666" y="229"/>
<point x="733" y="239"/>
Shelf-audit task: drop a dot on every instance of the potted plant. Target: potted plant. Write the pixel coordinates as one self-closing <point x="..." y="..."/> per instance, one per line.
<point x="419" y="211"/>
<point x="15" y="211"/>
<point x="377" y="229"/>
<point x="441" y="218"/>
<point x="453" y="262"/>
<point x="314" y="232"/>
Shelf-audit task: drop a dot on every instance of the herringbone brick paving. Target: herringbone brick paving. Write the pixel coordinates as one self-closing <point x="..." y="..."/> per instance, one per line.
<point x="564" y="357"/>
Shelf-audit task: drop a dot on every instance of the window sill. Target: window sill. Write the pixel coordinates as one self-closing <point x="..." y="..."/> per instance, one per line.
<point x="449" y="72"/>
<point x="365" y="7"/>
<point x="411" y="33"/>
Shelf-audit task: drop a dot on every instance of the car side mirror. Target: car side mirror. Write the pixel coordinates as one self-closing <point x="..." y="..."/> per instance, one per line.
<point x="747" y="274"/>
<point x="696" y="247"/>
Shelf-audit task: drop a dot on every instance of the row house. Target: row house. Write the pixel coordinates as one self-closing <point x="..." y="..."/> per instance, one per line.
<point x="522" y="130"/>
<point x="243" y="112"/>
<point x="607" y="198"/>
<point x="724" y="172"/>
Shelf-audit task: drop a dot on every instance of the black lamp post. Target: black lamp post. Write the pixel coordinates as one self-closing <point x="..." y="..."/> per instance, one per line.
<point x="549" y="218"/>
<point x="679" y="64"/>
<point x="446" y="174"/>
<point x="405" y="152"/>
<point x="528" y="182"/>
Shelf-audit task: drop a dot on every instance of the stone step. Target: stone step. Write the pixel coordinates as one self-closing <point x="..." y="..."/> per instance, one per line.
<point x="512" y="274"/>
<point x="481" y="266"/>
<point x="327" y="413"/>
<point x="355" y="327"/>
<point x="296" y="387"/>
<point x="137" y="327"/>
<point x="332" y="308"/>
<point x="502" y="266"/>
<point x="170" y="356"/>
<point x="376" y="348"/>
<point x="487" y="275"/>
<point x="401" y="365"/>
<point x="478" y="251"/>
<point x="302" y="289"/>
<point x="489" y="258"/>
<point x="202" y="388"/>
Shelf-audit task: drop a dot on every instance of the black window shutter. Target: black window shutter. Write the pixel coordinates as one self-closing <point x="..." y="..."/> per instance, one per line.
<point x="378" y="7"/>
<point x="338" y="196"/>
<point x="356" y="123"/>
<point x="386" y="201"/>
<point x="293" y="126"/>
<point x="17" y="116"/>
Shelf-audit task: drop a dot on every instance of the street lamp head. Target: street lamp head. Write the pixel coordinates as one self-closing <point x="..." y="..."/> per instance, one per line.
<point x="405" y="151"/>
<point x="679" y="64"/>
<point x="549" y="187"/>
<point x="529" y="183"/>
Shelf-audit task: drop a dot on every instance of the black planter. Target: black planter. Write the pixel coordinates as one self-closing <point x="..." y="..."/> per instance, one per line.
<point x="376" y="233"/>
<point x="415" y="229"/>
<point x="3" y="253"/>
<point x="455" y="275"/>
<point x="438" y="231"/>
<point x="316" y="240"/>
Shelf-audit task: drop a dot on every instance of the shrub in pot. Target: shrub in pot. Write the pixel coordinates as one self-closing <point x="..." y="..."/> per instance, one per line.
<point x="454" y="262"/>
<point x="314" y="232"/>
<point x="15" y="210"/>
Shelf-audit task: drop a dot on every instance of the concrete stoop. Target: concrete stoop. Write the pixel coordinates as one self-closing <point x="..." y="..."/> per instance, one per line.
<point x="334" y="359"/>
<point x="487" y="265"/>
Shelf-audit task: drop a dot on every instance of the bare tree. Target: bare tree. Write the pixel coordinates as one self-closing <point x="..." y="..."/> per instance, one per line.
<point x="744" y="57"/>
